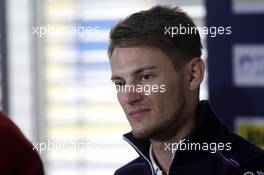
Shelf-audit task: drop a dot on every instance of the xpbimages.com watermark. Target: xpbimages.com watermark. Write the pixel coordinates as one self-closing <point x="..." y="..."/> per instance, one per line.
<point x="146" y="89"/>
<point x="212" y="31"/>
<point x="64" y="146"/>
<point x="192" y="146"/>
<point x="80" y="31"/>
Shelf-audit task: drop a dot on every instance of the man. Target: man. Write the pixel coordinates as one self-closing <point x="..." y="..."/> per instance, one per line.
<point x="173" y="132"/>
<point x="17" y="156"/>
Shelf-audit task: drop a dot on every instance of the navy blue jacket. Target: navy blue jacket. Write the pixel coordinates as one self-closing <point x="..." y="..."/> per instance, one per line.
<point x="243" y="158"/>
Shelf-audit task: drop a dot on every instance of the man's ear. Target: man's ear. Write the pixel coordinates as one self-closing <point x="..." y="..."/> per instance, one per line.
<point x="195" y="72"/>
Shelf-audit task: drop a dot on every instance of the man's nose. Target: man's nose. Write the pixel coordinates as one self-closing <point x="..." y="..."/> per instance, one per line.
<point x="133" y="97"/>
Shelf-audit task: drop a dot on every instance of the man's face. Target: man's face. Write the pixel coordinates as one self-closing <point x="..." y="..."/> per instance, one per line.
<point x="159" y="114"/>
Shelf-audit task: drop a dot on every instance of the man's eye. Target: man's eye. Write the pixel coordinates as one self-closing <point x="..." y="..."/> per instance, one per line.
<point x="147" y="77"/>
<point x="119" y="83"/>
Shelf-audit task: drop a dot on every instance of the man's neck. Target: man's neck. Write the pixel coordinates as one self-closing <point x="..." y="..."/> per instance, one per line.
<point x="164" y="156"/>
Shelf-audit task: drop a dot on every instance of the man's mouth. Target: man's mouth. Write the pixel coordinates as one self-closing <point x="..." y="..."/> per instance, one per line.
<point x="138" y="114"/>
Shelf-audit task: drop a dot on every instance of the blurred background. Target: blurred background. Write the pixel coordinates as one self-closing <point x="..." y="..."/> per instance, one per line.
<point x="55" y="85"/>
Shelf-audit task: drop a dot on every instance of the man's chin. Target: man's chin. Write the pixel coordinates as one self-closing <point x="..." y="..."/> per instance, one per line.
<point x="140" y="135"/>
<point x="155" y="134"/>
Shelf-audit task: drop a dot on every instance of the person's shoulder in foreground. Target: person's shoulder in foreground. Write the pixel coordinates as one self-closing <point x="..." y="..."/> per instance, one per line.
<point x="155" y="58"/>
<point x="17" y="156"/>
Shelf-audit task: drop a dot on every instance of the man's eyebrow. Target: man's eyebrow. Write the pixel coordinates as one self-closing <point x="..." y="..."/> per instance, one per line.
<point x="142" y="69"/>
<point x="115" y="78"/>
<point x="137" y="71"/>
